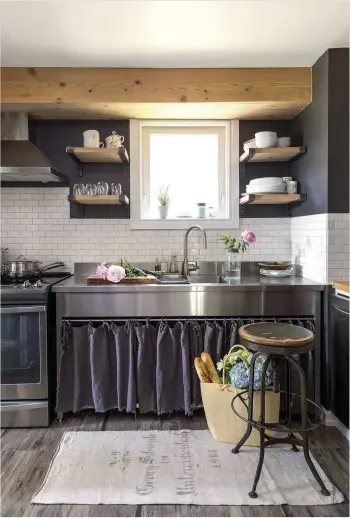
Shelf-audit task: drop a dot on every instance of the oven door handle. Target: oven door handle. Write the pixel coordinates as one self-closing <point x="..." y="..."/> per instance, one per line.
<point x="23" y="309"/>
<point x="7" y="406"/>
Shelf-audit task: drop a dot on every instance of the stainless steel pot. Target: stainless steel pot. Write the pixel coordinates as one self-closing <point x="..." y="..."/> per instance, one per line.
<point x="24" y="268"/>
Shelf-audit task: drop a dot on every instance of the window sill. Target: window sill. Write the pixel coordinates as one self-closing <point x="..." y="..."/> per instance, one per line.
<point x="182" y="224"/>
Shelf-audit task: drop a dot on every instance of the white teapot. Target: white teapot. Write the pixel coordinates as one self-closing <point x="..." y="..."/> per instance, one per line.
<point x="114" y="140"/>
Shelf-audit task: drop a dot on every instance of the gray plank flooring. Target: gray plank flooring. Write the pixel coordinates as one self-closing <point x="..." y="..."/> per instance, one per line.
<point x="26" y="455"/>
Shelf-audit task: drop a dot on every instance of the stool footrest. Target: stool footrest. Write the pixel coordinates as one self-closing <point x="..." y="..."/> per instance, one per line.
<point x="278" y="427"/>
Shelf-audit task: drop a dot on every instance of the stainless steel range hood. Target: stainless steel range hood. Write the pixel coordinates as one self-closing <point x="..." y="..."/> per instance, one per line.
<point x="21" y="160"/>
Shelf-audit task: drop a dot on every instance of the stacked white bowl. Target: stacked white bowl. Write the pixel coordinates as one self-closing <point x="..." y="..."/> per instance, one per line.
<point x="272" y="184"/>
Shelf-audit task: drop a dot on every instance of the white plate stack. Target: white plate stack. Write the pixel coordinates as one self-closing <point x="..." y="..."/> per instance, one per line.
<point x="269" y="185"/>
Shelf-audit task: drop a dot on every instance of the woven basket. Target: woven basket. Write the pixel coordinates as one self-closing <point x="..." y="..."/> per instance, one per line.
<point x="223" y="423"/>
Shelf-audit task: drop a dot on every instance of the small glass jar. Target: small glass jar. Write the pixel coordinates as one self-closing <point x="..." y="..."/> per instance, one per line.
<point x="116" y="188"/>
<point x="233" y="263"/>
<point x="91" y="189"/>
<point x="102" y="188"/>
<point x="202" y="210"/>
<point x="172" y="265"/>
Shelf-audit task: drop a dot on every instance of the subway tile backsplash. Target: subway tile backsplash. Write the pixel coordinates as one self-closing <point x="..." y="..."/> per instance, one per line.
<point x="320" y="246"/>
<point x="35" y="222"/>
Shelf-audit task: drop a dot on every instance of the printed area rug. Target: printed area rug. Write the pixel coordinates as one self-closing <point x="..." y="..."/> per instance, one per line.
<point x="174" y="467"/>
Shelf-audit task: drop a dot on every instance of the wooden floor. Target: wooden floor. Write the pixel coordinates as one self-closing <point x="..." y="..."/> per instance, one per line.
<point x="26" y="454"/>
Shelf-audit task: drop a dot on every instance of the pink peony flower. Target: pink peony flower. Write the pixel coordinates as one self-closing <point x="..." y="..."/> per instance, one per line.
<point x="115" y="273"/>
<point x="101" y="271"/>
<point x="249" y="236"/>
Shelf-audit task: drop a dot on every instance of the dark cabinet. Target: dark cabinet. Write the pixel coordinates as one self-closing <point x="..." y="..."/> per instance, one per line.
<point x="339" y="347"/>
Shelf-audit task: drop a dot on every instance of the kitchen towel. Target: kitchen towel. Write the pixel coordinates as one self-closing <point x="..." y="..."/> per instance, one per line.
<point x="175" y="467"/>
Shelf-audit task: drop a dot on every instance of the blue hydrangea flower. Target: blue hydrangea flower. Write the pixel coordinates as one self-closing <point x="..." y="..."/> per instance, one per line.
<point x="239" y="374"/>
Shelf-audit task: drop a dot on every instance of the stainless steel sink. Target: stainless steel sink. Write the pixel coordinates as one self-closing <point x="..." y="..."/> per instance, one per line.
<point x="206" y="278"/>
<point x="172" y="278"/>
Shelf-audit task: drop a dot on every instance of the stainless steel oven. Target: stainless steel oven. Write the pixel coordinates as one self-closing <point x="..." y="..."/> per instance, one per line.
<point x="27" y="350"/>
<point x="24" y="385"/>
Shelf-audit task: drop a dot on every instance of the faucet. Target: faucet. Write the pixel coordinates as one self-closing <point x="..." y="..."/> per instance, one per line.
<point x="191" y="266"/>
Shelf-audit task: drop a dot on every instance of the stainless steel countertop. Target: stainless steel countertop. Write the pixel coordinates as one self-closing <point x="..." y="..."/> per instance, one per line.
<point x="78" y="284"/>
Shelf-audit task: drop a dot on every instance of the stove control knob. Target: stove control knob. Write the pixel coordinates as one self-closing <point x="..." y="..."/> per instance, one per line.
<point x="39" y="284"/>
<point x="26" y="284"/>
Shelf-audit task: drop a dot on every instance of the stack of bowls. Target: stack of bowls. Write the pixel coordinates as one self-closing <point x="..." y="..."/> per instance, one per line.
<point x="267" y="185"/>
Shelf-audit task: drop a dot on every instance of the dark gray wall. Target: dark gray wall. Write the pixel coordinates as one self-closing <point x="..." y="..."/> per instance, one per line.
<point x="311" y="128"/>
<point x="52" y="137"/>
<point x="247" y="130"/>
<point x="338" y="131"/>
<point x="323" y="172"/>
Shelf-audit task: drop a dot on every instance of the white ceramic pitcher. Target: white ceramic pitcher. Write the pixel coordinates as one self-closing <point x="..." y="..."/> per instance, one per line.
<point x="92" y="139"/>
<point x="114" y="140"/>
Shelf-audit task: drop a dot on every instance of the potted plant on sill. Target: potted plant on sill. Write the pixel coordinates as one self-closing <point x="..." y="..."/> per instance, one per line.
<point x="164" y="201"/>
<point x="235" y="248"/>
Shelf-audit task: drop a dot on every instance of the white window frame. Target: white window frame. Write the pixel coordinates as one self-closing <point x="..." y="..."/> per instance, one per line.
<point x="228" y="181"/>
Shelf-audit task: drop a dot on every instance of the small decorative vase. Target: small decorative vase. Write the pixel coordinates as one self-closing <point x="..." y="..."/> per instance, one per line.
<point x="163" y="211"/>
<point x="233" y="263"/>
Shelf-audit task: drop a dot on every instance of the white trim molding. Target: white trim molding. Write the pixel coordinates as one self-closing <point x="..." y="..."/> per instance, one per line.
<point x="332" y="420"/>
<point x="231" y="178"/>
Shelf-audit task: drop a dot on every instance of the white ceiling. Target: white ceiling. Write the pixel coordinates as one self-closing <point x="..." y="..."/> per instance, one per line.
<point x="171" y="33"/>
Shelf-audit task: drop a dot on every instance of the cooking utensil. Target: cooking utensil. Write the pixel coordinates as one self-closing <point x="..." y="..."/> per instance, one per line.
<point x="114" y="140"/>
<point x="249" y="144"/>
<point x="92" y="139"/>
<point x="24" y="268"/>
<point x="276" y="274"/>
<point x="292" y="187"/>
<point x="266" y="139"/>
<point x="276" y="265"/>
<point x="95" y="279"/>
<point x="274" y="180"/>
<point x="284" y="141"/>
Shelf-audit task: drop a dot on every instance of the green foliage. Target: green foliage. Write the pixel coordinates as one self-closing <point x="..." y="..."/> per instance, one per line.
<point x="129" y="270"/>
<point x="231" y="243"/>
<point x="163" y="196"/>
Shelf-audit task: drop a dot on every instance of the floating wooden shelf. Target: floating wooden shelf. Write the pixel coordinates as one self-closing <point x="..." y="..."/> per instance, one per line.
<point x="271" y="199"/>
<point x="100" y="199"/>
<point x="272" y="154"/>
<point x="99" y="155"/>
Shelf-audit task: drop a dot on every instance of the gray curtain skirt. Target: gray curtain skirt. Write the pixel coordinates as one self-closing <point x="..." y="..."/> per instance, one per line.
<point x="121" y="365"/>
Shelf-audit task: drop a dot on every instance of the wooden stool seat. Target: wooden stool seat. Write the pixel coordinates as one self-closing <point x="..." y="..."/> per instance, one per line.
<point x="276" y="338"/>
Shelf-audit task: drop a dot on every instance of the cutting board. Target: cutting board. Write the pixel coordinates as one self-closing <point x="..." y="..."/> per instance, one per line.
<point x="94" y="279"/>
<point x="342" y="285"/>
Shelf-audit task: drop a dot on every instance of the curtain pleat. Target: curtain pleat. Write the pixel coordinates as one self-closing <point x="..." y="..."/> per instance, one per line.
<point x="124" y="347"/>
<point x="121" y="365"/>
<point x="146" y="336"/>
<point x="173" y="379"/>
<point x="103" y="366"/>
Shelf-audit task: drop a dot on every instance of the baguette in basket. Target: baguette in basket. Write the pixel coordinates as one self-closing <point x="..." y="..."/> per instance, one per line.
<point x="201" y="370"/>
<point x="208" y="362"/>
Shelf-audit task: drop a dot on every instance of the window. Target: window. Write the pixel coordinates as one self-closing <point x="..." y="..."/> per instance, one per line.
<point x="193" y="160"/>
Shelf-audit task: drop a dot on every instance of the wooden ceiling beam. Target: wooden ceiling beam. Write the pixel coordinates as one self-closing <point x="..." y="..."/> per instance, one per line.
<point x="126" y="85"/>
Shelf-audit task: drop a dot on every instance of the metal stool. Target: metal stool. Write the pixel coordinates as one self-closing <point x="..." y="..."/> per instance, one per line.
<point x="278" y="342"/>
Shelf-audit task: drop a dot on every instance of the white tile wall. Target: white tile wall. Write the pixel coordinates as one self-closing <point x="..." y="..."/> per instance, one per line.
<point x="320" y="246"/>
<point x="35" y="222"/>
<point x="309" y="246"/>
<point x="338" y="247"/>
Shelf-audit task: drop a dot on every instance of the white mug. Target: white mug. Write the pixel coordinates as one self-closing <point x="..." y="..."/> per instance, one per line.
<point x="114" y="140"/>
<point x="292" y="187"/>
<point x="92" y="139"/>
